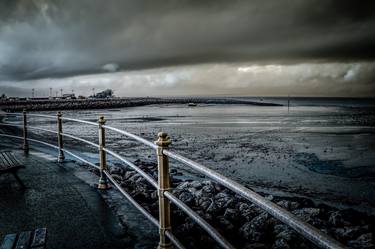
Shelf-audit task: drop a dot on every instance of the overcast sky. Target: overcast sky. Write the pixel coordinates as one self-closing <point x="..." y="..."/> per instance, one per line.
<point x="182" y="47"/>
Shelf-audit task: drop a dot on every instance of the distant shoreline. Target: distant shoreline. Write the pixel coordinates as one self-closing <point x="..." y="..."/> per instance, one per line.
<point x="79" y="104"/>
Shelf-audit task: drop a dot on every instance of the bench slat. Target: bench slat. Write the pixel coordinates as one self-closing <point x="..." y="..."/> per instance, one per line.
<point x="9" y="162"/>
<point x="23" y="240"/>
<point x="9" y="159"/>
<point x="4" y="164"/>
<point x="39" y="239"/>
<point x="8" y="241"/>
<point x="5" y="158"/>
<point x="13" y="158"/>
<point x="17" y="160"/>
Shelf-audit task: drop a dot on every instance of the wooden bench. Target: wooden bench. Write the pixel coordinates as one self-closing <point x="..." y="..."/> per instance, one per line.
<point x="26" y="240"/>
<point x="10" y="164"/>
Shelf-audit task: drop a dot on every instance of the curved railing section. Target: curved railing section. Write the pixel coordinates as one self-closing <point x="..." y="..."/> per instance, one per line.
<point x="162" y="185"/>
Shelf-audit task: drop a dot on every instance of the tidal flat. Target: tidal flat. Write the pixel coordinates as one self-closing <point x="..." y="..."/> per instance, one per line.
<point x="320" y="149"/>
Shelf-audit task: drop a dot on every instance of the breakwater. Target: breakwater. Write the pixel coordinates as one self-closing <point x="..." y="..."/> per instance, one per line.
<point x="75" y="104"/>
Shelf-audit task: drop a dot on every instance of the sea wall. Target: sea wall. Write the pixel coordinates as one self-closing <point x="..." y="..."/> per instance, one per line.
<point x="63" y="104"/>
<point x="243" y="224"/>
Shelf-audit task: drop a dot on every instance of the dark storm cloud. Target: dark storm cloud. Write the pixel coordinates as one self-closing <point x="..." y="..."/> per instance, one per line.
<point x="40" y="38"/>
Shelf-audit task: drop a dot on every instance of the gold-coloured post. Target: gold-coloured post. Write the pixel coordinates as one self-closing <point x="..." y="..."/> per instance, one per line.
<point x="103" y="182"/>
<point x="163" y="185"/>
<point x="61" y="156"/>
<point x="25" y="141"/>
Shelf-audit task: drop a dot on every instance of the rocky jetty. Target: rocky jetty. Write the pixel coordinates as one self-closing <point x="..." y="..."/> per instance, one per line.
<point x="244" y="224"/>
<point x="74" y="104"/>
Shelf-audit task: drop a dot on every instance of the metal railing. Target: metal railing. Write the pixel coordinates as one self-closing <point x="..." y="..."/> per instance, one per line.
<point x="163" y="153"/>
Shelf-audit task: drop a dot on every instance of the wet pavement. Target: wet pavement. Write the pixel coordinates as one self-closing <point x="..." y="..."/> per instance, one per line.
<point x="74" y="213"/>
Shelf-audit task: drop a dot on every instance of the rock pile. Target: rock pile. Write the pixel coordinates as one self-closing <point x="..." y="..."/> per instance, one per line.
<point x="244" y="224"/>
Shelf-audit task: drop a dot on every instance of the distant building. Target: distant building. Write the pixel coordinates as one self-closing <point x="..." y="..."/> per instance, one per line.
<point x="104" y="94"/>
<point x="69" y="96"/>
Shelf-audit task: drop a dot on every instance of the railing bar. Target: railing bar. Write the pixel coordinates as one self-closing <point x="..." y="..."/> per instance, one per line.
<point x="28" y="127"/>
<point x="80" y="139"/>
<point x="53" y="146"/>
<point x="141" y="172"/>
<point x="201" y="222"/>
<point x="13" y="125"/>
<point x="40" y="129"/>
<point x="39" y="115"/>
<point x="307" y="230"/>
<point x="132" y="201"/>
<point x="28" y="114"/>
<point x="135" y="137"/>
<point x="174" y="240"/>
<point x="52" y="117"/>
<point x="80" y="121"/>
<point x="81" y="159"/>
<point x="30" y="139"/>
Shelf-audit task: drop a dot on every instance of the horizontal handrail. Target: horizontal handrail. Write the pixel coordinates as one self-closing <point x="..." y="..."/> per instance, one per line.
<point x="39" y="115"/>
<point x="51" y="131"/>
<point x="286" y="217"/>
<point x="81" y="159"/>
<point x="29" y="127"/>
<point x="132" y="201"/>
<point x="12" y="125"/>
<point x="80" y="139"/>
<point x="50" y="116"/>
<point x="80" y="121"/>
<point x="135" y="137"/>
<point x="41" y="129"/>
<point x="30" y="139"/>
<point x="133" y="166"/>
<point x="52" y="146"/>
<point x="204" y="224"/>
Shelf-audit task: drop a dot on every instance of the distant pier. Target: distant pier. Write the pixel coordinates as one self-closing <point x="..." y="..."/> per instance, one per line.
<point x="74" y="104"/>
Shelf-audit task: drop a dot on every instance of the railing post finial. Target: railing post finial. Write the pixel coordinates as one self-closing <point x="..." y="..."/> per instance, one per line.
<point x="25" y="141"/>
<point x="61" y="156"/>
<point x="103" y="181"/>
<point x="163" y="185"/>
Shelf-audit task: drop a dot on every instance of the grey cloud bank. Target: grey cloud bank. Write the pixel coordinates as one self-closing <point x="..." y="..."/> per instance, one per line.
<point x="42" y="39"/>
<point x="321" y="79"/>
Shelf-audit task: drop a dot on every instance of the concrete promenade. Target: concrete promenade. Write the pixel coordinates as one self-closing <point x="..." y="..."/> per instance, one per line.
<point x="74" y="213"/>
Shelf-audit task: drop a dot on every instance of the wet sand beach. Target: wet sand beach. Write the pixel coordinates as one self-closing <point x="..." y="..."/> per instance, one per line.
<point x="321" y="152"/>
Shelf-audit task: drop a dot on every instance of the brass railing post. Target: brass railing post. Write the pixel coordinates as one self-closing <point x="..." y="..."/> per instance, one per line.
<point x="25" y="141"/>
<point x="61" y="156"/>
<point x="103" y="181"/>
<point x="163" y="185"/>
